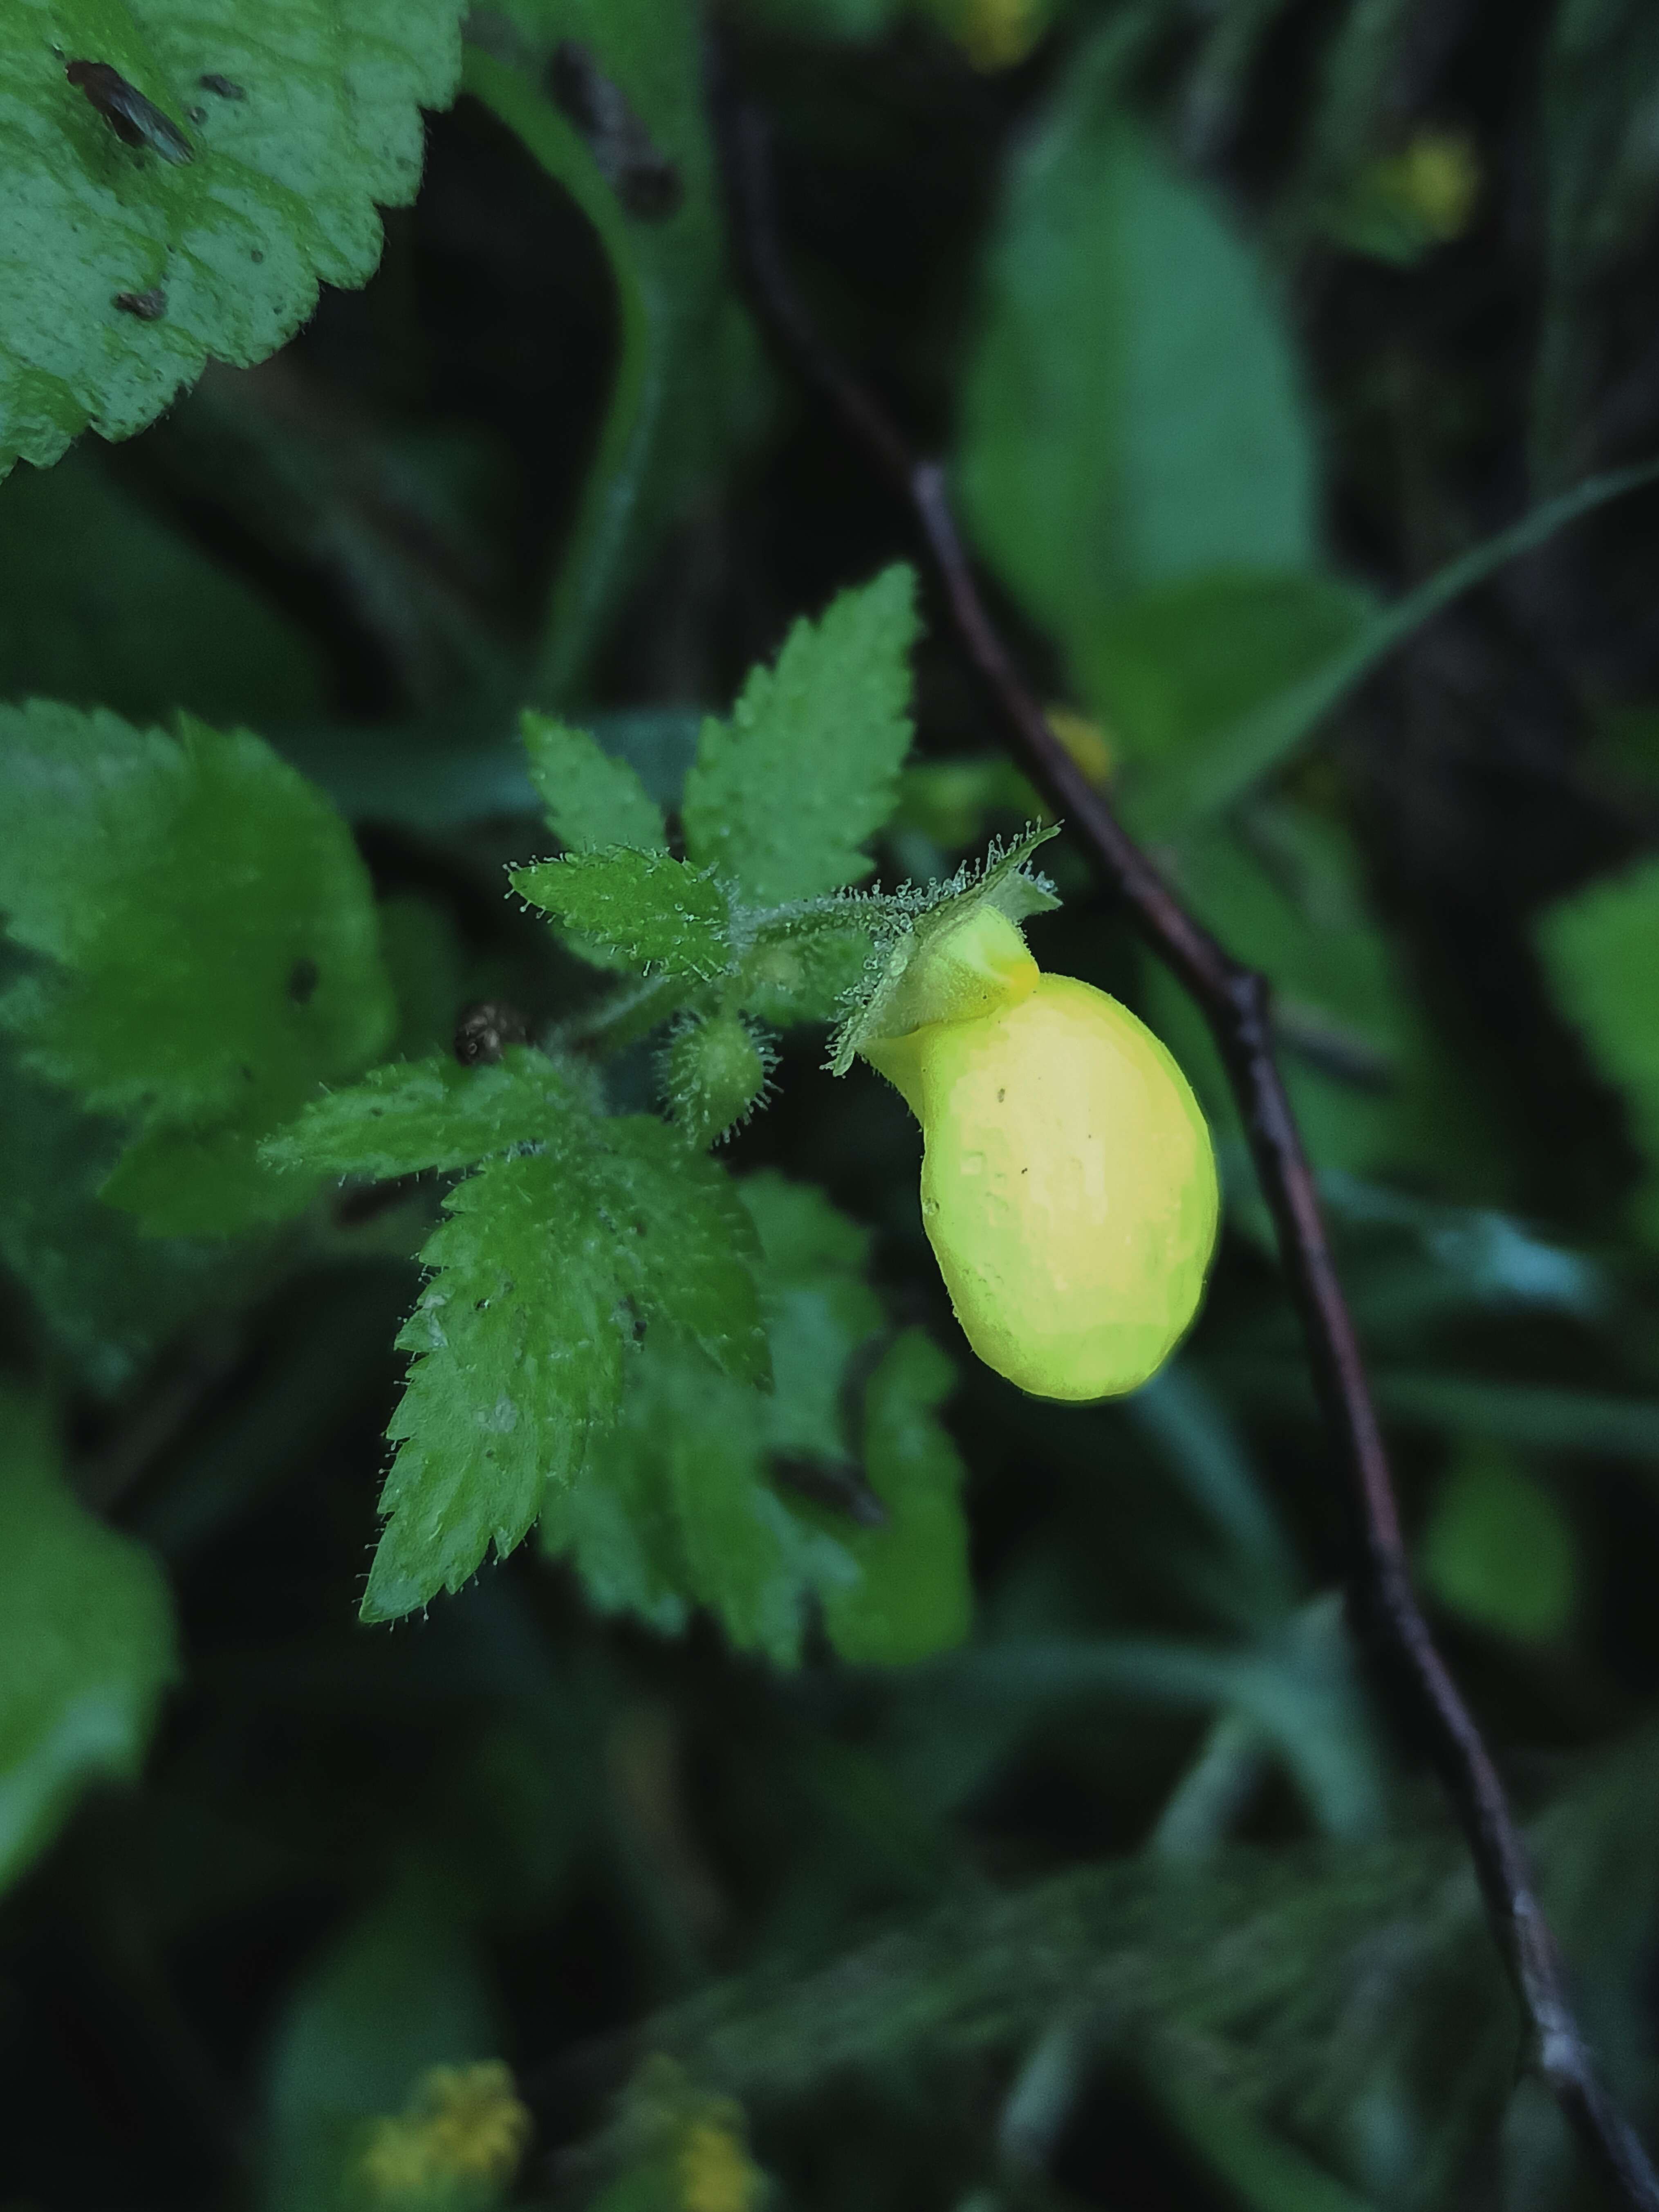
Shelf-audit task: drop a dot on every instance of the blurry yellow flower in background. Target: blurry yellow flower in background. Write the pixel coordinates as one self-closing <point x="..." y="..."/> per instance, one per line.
<point x="459" y="2140"/>
<point x="1087" y="742"/>
<point x="1436" y="178"/>
<point x="1401" y="204"/>
<point x="995" y="34"/>
<point x="716" y="2173"/>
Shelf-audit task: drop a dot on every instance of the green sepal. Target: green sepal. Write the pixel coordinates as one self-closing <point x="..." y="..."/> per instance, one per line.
<point x="914" y="925"/>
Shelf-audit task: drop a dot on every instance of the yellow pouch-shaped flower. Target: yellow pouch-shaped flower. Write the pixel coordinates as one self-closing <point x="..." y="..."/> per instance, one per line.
<point x="1068" y="1184"/>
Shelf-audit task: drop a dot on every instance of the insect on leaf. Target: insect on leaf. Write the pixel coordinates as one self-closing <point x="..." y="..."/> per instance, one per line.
<point x="135" y="120"/>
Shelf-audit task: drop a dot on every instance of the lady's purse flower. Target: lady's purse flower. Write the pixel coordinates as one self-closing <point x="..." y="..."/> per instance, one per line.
<point x="1068" y="1184"/>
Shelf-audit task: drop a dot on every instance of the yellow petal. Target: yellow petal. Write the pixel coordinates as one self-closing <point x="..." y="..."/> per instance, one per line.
<point x="1068" y="1187"/>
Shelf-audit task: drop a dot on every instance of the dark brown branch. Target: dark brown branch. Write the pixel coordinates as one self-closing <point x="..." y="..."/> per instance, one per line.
<point x="1235" y="1003"/>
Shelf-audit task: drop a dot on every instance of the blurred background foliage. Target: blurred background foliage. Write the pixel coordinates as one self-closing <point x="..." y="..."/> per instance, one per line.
<point x="1237" y="320"/>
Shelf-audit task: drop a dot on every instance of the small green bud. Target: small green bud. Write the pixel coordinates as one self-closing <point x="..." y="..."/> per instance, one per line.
<point x="717" y="1071"/>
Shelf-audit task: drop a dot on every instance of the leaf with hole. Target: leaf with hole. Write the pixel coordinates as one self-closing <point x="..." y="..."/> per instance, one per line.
<point x="179" y="179"/>
<point x="204" y="948"/>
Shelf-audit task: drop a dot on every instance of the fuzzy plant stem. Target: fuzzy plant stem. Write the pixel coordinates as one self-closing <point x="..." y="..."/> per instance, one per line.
<point x="1235" y="1002"/>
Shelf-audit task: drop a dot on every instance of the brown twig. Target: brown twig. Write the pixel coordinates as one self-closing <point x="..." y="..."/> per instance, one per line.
<point x="1235" y="1003"/>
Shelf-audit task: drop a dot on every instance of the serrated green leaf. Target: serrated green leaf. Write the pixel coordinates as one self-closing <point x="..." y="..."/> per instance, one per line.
<point x="86" y="1643"/>
<point x="819" y="1312"/>
<point x="1601" y="950"/>
<point x="593" y="798"/>
<point x="177" y="884"/>
<point x="781" y="799"/>
<point x="209" y="950"/>
<point x="545" y="1269"/>
<point x="675" y="1512"/>
<point x="652" y="910"/>
<point x="618" y="1524"/>
<point x="687" y="1242"/>
<point x="1133" y="414"/>
<point x="677" y="1508"/>
<point x="413" y="1116"/>
<point x="518" y="1341"/>
<point x="221" y="251"/>
<point x="914" y="1595"/>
